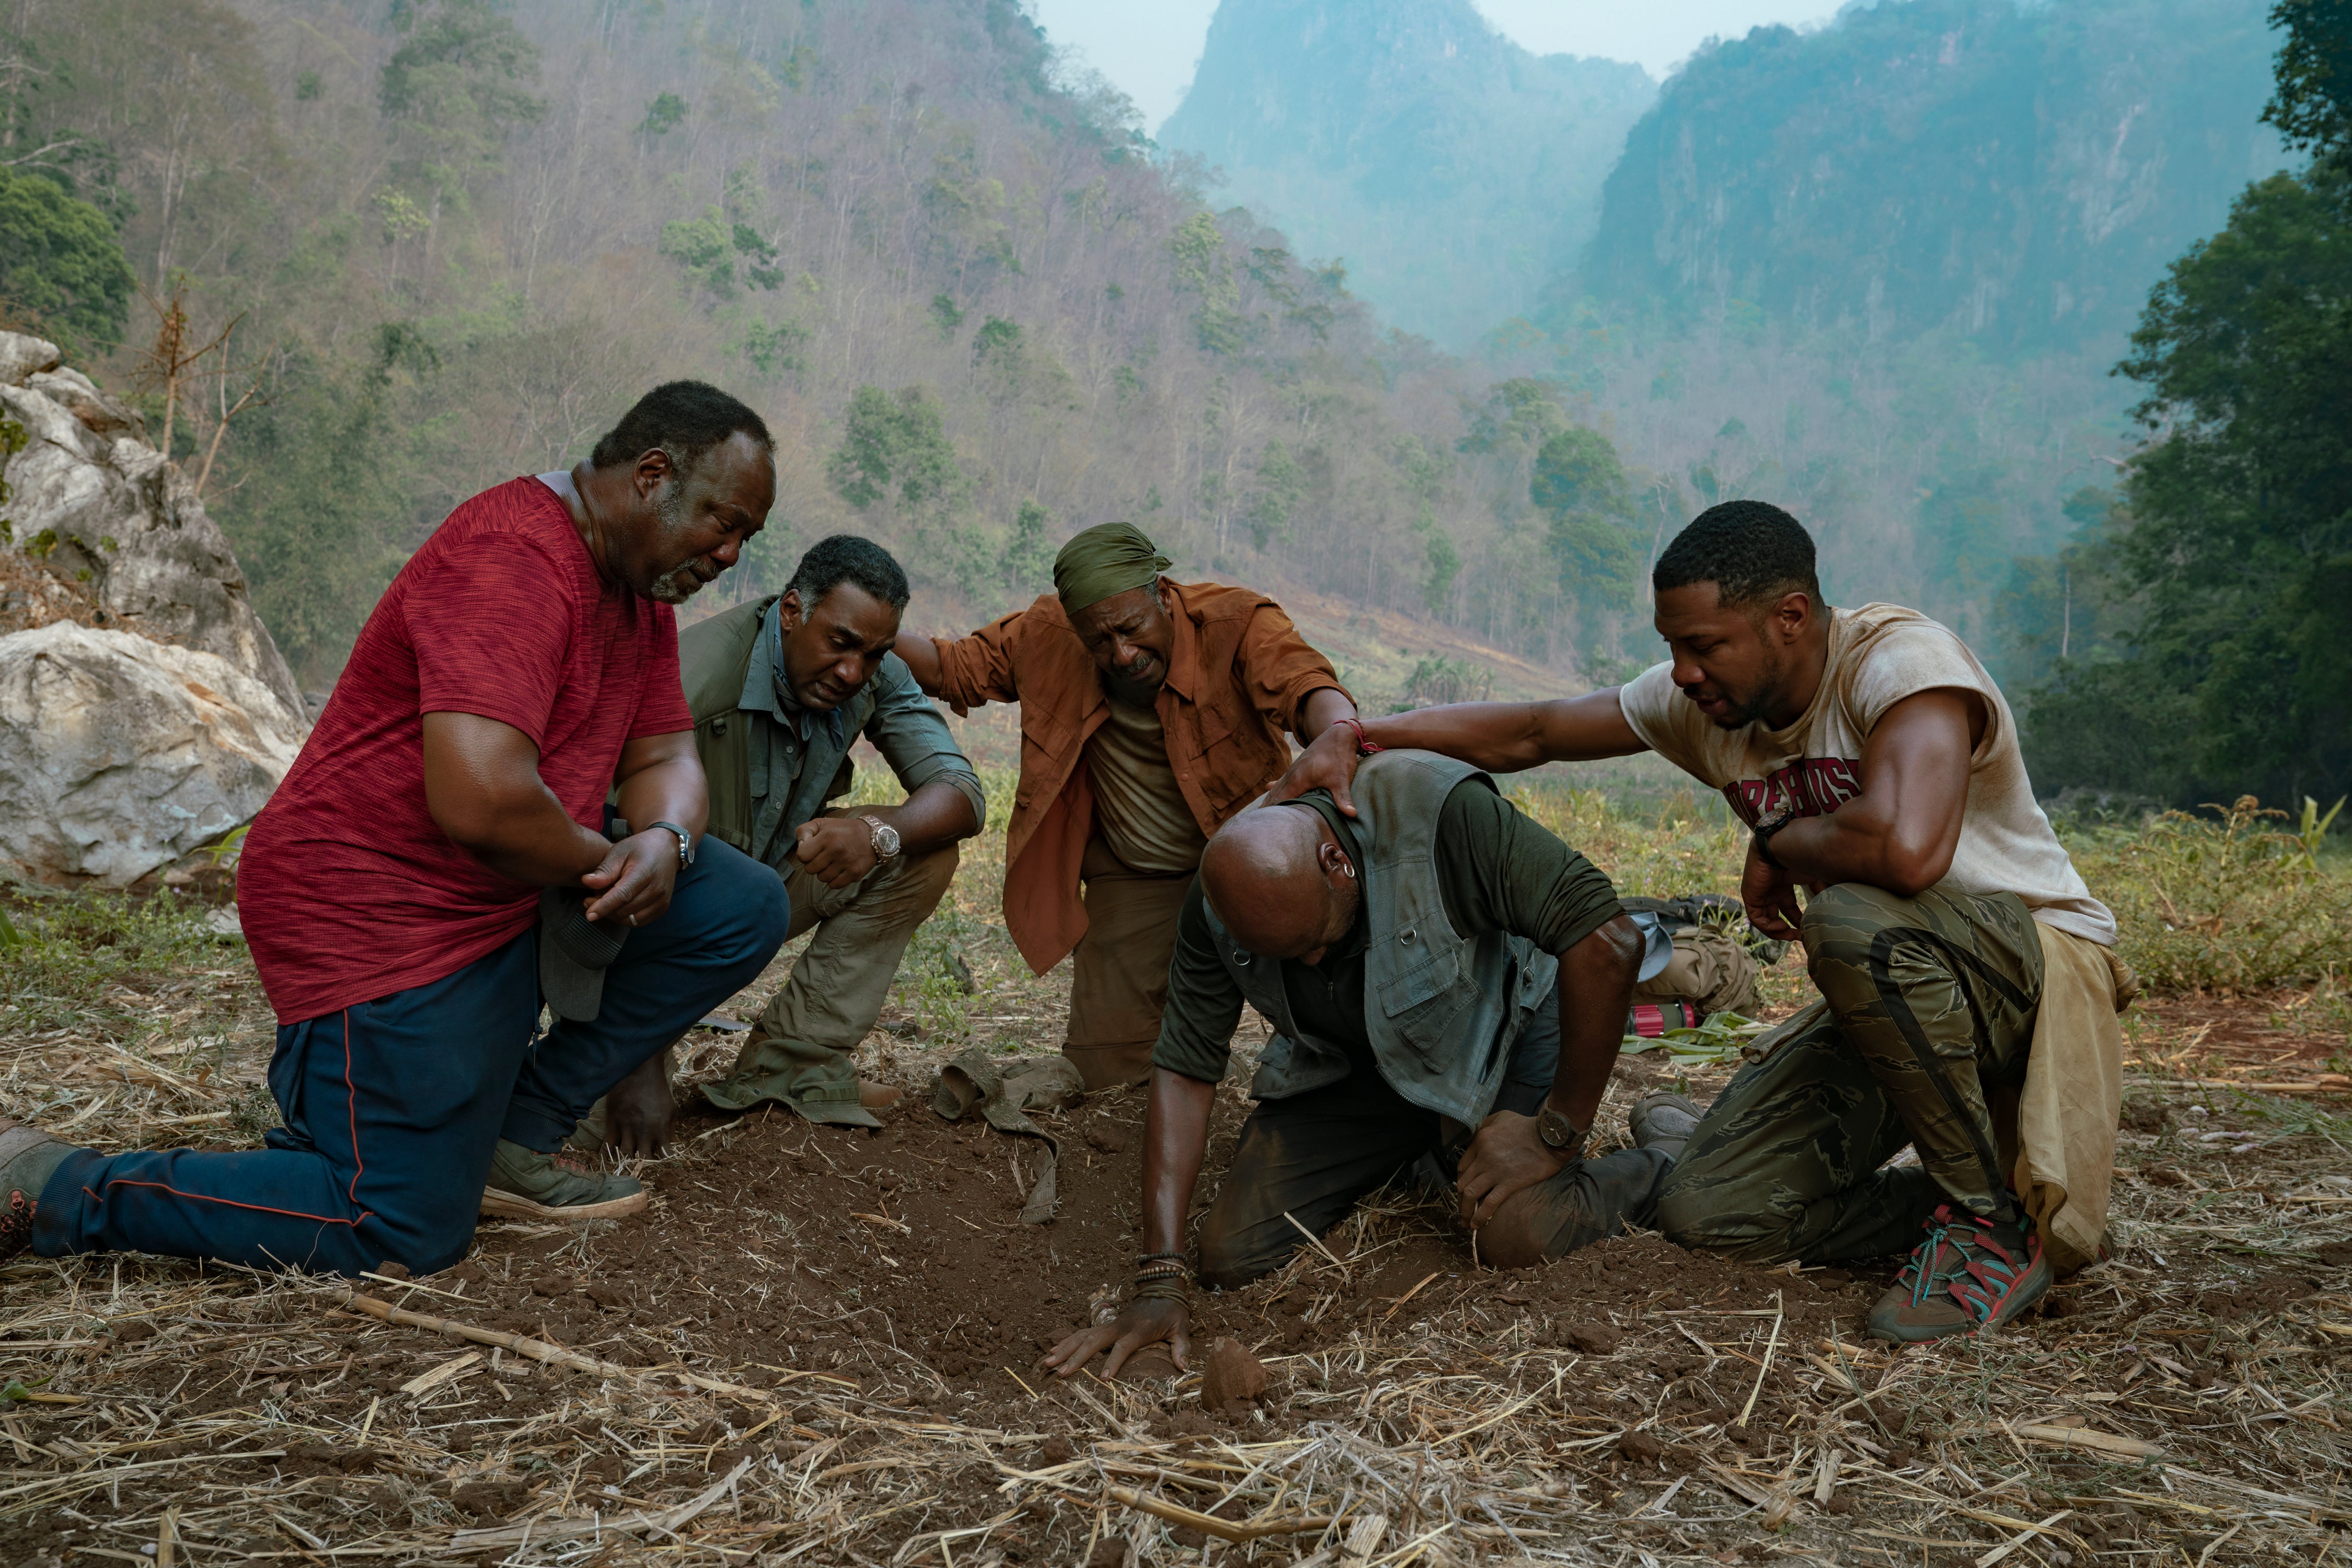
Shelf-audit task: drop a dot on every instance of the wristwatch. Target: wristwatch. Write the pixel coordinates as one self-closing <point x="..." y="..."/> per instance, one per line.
<point x="1559" y="1132"/>
<point x="1774" y="818"/>
<point x="886" y="837"/>
<point x="685" y="841"/>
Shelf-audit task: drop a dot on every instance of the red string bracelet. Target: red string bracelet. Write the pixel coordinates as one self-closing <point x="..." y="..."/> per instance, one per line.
<point x="1364" y="747"/>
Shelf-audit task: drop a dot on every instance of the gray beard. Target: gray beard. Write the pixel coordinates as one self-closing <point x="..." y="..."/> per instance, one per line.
<point x="679" y="584"/>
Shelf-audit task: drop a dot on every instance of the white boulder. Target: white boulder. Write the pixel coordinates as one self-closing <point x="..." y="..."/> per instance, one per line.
<point x="119" y="755"/>
<point x="104" y="513"/>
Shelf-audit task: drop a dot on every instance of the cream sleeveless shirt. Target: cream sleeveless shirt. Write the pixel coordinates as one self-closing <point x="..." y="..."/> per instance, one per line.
<point x="1879" y="655"/>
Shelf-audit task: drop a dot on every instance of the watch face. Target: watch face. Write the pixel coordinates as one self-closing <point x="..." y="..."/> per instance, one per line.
<point x="885" y="838"/>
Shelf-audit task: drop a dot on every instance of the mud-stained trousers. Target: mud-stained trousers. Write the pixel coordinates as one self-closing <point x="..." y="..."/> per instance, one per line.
<point x="1926" y="1012"/>
<point x="1118" y="976"/>
<point x="1313" y="1155"/>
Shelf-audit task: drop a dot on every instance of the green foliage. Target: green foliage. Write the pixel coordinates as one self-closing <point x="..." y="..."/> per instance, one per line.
<point x="1778" y="184"/>
<point x="709" y="246"/>
<point x="1581" y="486"/>
<point x="1517" y="416"/>
<point x="894" y="444"/>
<point x="1197" y="250"/>
<point x="72" y="955"/>
<point x="1445" y="566"/>
<point x="2224" y="899"/>
<point x="309" y="525"/>
<point x="777" y="349"/>
<point x="1281" y="486"/>
<point x="2312" y="106"/>
<point x="458" y="85"/>
<point x="1027" y="562"/>
<point x="2240" y="551"/>
<point x="61" y="265"/>
<point x="665" y="114"/>
<point x="947" y="316"/>
<point x="12" y="440"/>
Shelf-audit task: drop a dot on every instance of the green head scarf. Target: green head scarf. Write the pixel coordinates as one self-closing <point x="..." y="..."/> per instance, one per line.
<point x="1106" y="559"/>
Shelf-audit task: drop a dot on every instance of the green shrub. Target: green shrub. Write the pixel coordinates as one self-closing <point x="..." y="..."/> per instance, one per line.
<point x="2224" y="899"/>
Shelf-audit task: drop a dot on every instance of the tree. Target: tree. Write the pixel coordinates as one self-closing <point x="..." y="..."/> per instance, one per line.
<point x="2312" y="106"/>
<point x="1580" y="488"/>
<point x="2240" y="553"/>
<point x="62" y="265"/>
<point x="895" y="444"/>
<point x="459" y="84"/>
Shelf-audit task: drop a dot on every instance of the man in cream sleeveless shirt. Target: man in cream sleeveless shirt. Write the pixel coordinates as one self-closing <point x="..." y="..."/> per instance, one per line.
<point x="1969" y="989"/>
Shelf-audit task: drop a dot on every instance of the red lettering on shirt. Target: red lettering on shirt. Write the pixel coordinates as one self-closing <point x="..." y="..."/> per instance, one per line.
<point x="1815" y="786"/>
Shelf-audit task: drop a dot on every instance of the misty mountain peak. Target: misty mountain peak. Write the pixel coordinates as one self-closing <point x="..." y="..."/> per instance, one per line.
<point x="1450" y="167"/>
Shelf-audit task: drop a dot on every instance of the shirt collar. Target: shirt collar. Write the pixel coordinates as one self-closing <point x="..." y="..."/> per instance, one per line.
<point x="1184" y="652"/>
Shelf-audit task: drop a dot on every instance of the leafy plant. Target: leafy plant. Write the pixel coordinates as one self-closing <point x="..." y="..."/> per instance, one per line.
<point x="2224" y="899"/>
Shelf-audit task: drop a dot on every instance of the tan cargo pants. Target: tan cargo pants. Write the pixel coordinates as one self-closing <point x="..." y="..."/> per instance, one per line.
<point x="1118" y="981"/>
<point x="801" y="1051"/>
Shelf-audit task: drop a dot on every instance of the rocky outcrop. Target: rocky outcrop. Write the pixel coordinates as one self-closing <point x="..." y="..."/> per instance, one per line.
<point x="115" y="528"/>
<point x="119" y="755"/>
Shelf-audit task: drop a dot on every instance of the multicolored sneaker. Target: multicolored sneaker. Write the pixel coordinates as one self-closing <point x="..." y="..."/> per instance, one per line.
<point x="1969" y="1275"/>
<point x="562" y="1186"/>
<point x="28" y="1158"/>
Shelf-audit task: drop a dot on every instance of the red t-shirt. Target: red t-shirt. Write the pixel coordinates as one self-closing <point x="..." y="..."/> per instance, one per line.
<point x="347" y="889"/>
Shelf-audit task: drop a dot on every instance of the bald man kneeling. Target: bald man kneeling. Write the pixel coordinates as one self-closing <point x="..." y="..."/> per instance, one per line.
<point x="1436" y="963"/>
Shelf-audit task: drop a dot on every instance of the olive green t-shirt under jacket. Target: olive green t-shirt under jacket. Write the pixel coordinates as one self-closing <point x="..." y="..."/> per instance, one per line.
<point x="1497" y="870"/>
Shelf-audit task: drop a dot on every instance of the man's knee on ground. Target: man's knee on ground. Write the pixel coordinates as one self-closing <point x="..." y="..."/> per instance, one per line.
<point x="1226" y="1262"/>
<point x="423" y="1246"/>
<point x="1693" y="1217"/>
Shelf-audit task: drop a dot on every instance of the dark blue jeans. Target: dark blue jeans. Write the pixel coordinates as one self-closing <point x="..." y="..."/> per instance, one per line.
<point x="393" y="1107"/>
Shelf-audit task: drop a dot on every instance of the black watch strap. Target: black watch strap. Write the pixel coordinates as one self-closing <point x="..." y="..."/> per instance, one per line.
<point x="685" y="840"/>
<point x="1770" y="823"/>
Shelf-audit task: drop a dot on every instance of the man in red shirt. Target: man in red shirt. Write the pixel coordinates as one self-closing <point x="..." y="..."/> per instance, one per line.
<point x="442" y="857"/>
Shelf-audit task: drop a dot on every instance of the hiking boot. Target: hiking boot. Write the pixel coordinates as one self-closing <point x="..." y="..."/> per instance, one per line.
<point x="1969" y="1275"/>
<point x="1664" y="1121"/>
<point x="28" y="1158"/>
<point x="561" y="1185"/>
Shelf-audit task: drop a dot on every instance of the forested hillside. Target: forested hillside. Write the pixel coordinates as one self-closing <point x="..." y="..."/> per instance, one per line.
<point x="2018" y="175"/>
<point x="447" y="240"/>
<point x="1453" y="169"/>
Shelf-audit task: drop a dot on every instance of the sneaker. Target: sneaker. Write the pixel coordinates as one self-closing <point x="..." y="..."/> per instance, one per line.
<point x="1664" y="1121"/>
<point x="28" y="1158"/>
<point x="561" y="1185"/>
<point x="1969" y="1275"/>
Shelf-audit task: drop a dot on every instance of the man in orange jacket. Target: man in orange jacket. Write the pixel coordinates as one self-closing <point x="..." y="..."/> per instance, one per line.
<point x="1151" y="712"/>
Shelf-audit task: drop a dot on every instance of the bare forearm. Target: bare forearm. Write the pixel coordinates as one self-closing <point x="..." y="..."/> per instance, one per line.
<point x="1175" y="1136"/>
<point x="932" y="817"/>
<point x="1323" y="706"/>
<point x="671" y="791"/>
<point x="1856" y="844"/>
<point x="1596" y="990"/>
<point x="921" y="656"/>
<point x="528" y="839"/>
<point x="1506" y="737"/>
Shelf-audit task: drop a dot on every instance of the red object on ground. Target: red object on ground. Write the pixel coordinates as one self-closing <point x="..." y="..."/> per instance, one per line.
<point x="1651" y="1020"/>
<point x="346" y="888"/>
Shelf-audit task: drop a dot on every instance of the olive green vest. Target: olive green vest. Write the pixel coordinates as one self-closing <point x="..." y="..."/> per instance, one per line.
<point x="1443" y="1011"/>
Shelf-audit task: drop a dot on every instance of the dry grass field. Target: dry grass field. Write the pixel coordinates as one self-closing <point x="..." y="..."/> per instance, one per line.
<point x="819" y="1345"/>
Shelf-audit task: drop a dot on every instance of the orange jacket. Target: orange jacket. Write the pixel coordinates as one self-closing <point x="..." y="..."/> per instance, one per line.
<point x="1237" y="678"/>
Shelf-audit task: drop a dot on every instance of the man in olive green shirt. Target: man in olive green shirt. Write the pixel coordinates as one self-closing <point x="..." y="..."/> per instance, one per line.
<point x="1440" y="972"/>
<point x="779" y="689"/>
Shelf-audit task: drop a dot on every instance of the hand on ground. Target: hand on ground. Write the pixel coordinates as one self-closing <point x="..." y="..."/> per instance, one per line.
<point x="1329" y="762"/>
<point x="837" y="851"/>
<point x="1771" y="896"/>
<point x="634" y="883"/>
<point x="638" y="1108"/>
<point x="1140" y="1325"/>
<point x="1507" y="1156"/>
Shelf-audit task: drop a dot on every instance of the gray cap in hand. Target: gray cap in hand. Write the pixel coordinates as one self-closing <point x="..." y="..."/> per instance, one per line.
<point x="574" y="953"/>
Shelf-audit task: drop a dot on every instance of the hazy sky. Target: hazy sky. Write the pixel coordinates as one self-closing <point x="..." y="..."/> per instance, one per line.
<point x="1149" y="49"/>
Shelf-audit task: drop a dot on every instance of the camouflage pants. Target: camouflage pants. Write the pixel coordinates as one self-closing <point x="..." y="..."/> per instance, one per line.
<point x="1926" y="1011"/>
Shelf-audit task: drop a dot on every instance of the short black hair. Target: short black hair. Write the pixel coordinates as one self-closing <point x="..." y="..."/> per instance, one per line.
<point x="839" y="558"/>
<point x="684" y="418"/>
<point x="1750" y="550"/>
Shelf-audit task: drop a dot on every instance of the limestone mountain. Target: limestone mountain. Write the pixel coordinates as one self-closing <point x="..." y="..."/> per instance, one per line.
<point x="1452" y="170"/>
<point x="2021" y="174"/>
